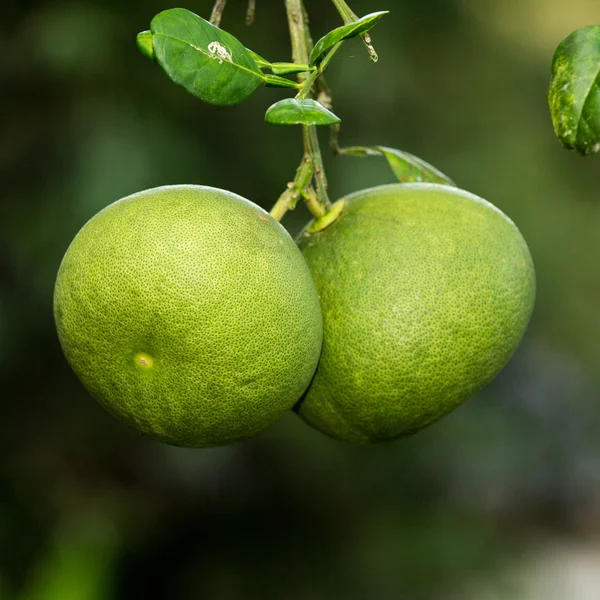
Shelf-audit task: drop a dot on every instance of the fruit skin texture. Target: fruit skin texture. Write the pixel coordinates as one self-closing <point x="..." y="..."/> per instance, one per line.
<point x="426" y="292"/>
<point x="189" y="313"/>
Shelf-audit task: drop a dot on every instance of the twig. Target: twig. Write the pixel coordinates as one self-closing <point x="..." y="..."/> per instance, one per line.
<point x="349" y="16"/>
<point x="217" y="12"/>
<point x="301" y="48"/>
<point x="251" y="12"/>
<point x="295" y="189"/>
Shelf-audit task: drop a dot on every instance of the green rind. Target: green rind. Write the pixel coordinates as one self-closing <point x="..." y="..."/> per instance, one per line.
<point x="215" y="297"/>
<point x="426" y="292"/>
<point x="574" y="94"/>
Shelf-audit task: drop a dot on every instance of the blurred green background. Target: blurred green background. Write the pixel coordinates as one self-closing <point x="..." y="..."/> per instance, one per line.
<point x="499" y="500"/>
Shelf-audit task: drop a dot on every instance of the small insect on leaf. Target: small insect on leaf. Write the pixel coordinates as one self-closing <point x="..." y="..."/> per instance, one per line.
<point x="300" y="112"/>
<point x="344" y="33"/>
<point x="208" y="62"/>
<point x="574" y="94"/>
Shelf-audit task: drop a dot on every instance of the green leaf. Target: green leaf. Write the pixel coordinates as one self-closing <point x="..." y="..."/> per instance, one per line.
<point x="283" y="68"/>
<point x="344" y="33"/>
<point x="208" y="62"/>
<point x="300" y="112"/>
<point x="280" y="82"/>
<point x="261" y="63"/>
<point x="407" y="167"/>
<point x="574" y="94"/>
<point x="144" y="44"/>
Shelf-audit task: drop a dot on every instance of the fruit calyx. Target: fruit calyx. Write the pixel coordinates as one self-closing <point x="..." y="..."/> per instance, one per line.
<point x="327" y="219"/>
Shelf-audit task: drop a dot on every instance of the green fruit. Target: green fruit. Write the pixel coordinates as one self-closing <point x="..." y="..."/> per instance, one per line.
<point x="189" y="313"/>
<point x="426" y="291"/>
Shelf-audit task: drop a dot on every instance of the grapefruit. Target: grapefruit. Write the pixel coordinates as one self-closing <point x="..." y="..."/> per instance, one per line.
<point x="189" y="313"/>
<point x="426" y="292"/>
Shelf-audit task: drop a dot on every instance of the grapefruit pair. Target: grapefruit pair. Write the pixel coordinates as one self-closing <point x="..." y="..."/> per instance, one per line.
<point x="189" y="313"/>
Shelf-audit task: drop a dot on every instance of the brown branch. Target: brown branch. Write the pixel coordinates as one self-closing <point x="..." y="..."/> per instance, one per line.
<point x="217" y="12"/>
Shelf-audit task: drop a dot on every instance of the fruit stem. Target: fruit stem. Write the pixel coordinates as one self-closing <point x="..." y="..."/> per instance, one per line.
<point x="349" y="16"/>
<point x="217" y="12"/>
<point x="289" y="198"/>
<point x="301" y="48"/>
<point x="313" y="149"/>
<point x="312" y="201"/>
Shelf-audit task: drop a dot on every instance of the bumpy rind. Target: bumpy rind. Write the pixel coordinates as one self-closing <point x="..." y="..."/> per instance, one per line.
<point x="426" y="292"/>
<point x="190" y="314"/>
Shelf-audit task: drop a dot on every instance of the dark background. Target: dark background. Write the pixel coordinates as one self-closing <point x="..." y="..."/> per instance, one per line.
<point x="499" y="500"/>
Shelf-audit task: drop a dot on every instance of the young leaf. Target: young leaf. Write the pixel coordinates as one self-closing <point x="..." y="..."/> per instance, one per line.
<point x="282" y="68"/>
<point x="208" y="62"/>
<point x="574" y="94"/>
<point x="407" y="167"/>
<point x="300" y="112"/>
<point x="144" y="44"/>
<point x="261" y="63"/>
<point x="344" y="33"/>
<point x="280" y="82"/>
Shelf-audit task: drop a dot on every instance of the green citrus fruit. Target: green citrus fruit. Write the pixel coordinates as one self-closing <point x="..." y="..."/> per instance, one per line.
<point x="189" y="313"/>
<point x="426" y="291"/>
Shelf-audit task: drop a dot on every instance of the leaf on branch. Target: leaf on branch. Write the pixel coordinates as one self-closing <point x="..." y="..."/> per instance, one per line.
<point x="280" y="82"/>
<point x="407" y="167"/>
<point x="144" y="44"/>
<point x="208" y="62"/>
<point x="283" y="68"/>
<point x="300" y="112"/>
<point x="410" y="168"/>
<point x="261" y="63"/>
<point x="574" y="94"/>
<point x="344" y="33"/>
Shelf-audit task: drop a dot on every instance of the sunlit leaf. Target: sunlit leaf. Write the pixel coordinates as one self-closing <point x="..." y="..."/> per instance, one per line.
<point x="208" y="62"/>
<point x="344" y="33"/>
<point x="300" y="112"/>
<point x="574" y="94"/>
<point x="144" y="44"/>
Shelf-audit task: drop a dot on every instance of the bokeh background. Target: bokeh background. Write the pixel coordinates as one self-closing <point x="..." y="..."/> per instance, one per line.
<point x="499" y="500"/>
